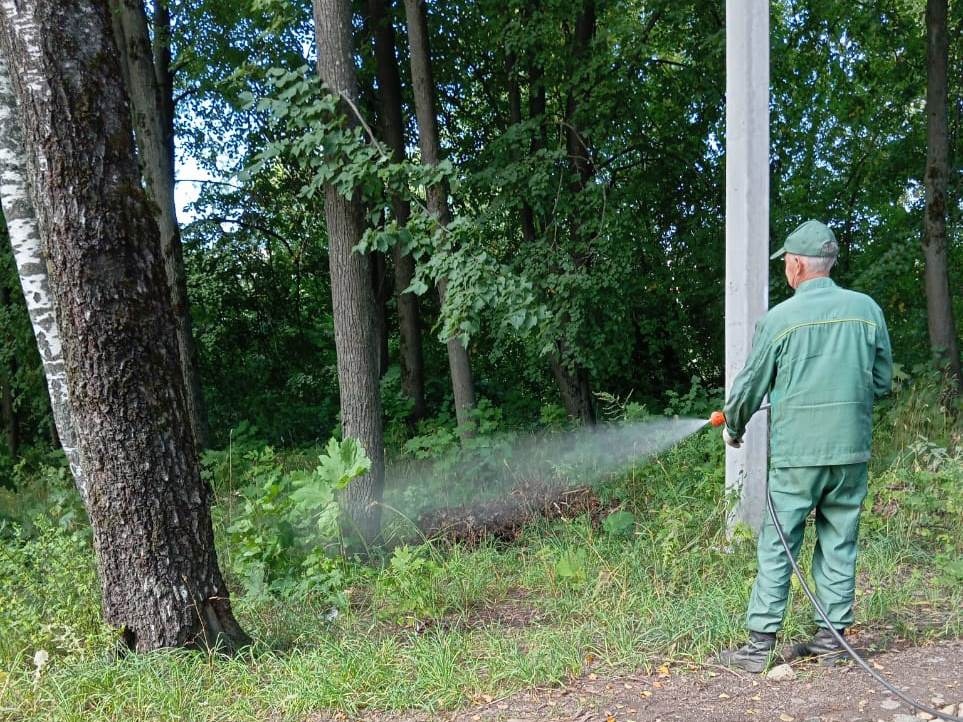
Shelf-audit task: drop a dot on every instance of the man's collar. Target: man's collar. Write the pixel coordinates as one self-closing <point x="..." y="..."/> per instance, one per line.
<point x="815" y="283"/>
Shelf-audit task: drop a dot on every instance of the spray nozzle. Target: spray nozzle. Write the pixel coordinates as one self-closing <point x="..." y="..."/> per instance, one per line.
<point x="717" y="418"/>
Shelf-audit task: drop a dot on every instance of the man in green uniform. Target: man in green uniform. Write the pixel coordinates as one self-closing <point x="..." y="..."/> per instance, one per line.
<point x="822" y="356"/>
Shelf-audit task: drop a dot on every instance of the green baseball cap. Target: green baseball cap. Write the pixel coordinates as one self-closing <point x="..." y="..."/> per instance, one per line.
<point x="811" y="238"/>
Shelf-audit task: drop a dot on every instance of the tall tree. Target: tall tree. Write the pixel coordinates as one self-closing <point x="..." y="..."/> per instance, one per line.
<point x="352" y="297"/>
<point x="939" y="303"/>
<point x="148" y="507"/>
<point x="147" y="74"/>
<point x="24" y="233"/>
<point x="569" y="372"/>
<point x="393" y="132"/>
<point x="429" y="143"/>
<point x="573" y="385"/>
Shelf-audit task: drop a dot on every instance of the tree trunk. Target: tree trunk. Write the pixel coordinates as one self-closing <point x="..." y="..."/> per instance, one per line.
<point x="354" y="332"/>
<point x="536" y="103"/>
<point x="573" y="378"/>
<point x="24" y="233"/>
<point x="163" y="72"/>
<point x="576" y="144"/>
<point x="575" y="391"/>
<point x="148" y="507"/>
<point x="149" y="84"/>
<point x="8" y="412"/>
<point x="382" y="292"/>
<point x="939" y="302"/>
<point x="573" y="386"/>
<point x="423" y="83"/>
<point x="515" y="117"/>
<point x="393" y="132"/>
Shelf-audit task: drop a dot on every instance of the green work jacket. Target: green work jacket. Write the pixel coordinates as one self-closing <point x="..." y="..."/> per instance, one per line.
<point x="822" y="356"/>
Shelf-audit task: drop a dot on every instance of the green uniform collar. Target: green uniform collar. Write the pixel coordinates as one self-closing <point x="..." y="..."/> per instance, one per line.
<point x="815" y="283"/>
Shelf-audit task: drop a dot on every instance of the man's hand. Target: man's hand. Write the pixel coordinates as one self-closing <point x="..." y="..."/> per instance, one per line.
<point x="730" y="440"/>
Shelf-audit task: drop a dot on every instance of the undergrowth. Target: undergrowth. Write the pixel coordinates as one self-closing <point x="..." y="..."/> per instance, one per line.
<point x="434" y="626"/>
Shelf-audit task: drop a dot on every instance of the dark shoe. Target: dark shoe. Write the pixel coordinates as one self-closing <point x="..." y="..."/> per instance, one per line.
<point x="754" y="656"/>
<point x="823" y="646"/>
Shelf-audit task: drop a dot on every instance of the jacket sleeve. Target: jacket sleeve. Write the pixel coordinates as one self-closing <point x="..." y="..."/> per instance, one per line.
<point x="883" y="364"/>
<point x="751" y="384"/>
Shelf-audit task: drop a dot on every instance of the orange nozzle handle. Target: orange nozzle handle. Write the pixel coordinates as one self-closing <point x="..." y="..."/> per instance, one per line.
<point x="717" y="418"/>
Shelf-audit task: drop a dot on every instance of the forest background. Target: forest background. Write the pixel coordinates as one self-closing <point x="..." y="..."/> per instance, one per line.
<point x="624" y="274"/>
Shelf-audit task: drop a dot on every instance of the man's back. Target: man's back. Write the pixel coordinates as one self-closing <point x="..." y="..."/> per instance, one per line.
<point x="823" y="356"/>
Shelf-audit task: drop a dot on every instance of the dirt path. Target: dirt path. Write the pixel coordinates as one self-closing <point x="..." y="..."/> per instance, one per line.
<point x="708" y="694"/>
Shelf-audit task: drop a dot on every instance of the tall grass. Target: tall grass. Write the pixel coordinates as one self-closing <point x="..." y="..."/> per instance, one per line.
<point x="437" y="627"/>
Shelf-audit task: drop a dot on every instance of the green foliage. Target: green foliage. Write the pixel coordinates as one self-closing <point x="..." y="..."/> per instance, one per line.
<point x="614" y="409"/>
<point x="48" y="594"/>
<point x="396" y="407"/>
<point x="916" y="420"/>
<point x="283" y="526"/>
<point x="553" y="416"/>
<point x="572" y="566"/>
<point x="425" y="584"/>
<point x="619" y="275"/>
<point x="698" y="401"/>
<point x="438" y="440"/>
<point x="266" y="348"/>
<point x="20" y="370"/>
<point x="404" y="590"/>
<point x="436" y="437"/>
<point x="341" y="462"/>
<point x="45" y="494"/>
<point x="619" y="523"/>
<point x="320" y="134"/>
<point x="262" y="537"/>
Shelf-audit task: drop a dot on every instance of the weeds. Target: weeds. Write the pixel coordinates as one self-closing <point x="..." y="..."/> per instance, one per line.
<point x="439" y="626"/>
<point x="282" y="525"/>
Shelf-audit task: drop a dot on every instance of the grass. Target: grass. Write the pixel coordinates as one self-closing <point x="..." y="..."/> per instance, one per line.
<point x="469" y="625"/>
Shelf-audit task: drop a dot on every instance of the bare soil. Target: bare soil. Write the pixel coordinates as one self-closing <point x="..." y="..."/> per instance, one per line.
<point x="708" y="693"/>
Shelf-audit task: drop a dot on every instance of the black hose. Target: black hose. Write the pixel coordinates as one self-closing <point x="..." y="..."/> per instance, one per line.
<point x="839" y="637"/>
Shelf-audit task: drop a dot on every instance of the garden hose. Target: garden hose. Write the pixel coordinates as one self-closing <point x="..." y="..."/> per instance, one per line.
<point x="718" y="419"/>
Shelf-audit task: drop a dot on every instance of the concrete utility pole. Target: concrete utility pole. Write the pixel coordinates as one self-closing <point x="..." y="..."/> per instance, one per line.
<point x="747" y="234"/>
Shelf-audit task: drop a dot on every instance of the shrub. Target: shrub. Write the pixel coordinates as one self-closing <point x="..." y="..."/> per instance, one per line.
<point x="282" y="532"/>
<point x="48" y="593"/>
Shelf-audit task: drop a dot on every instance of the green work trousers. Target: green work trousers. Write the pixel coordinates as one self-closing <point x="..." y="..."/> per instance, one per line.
<point x="836" y="493"/>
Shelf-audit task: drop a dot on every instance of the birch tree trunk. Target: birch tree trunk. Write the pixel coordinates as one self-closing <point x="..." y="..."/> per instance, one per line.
<point x="149" y="85"/>
<point x="939" y="302"/>
<point x="32" y="270"/>
<point x="148" y="507"/>
<point x="392" y="128"/>
<point x="423" y="83"/>
<point x="353" y="300"/>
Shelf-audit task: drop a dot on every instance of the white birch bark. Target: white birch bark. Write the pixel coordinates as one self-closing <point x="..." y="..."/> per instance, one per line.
<point x="32" y="269"/>
<point x="148" y="506"/>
